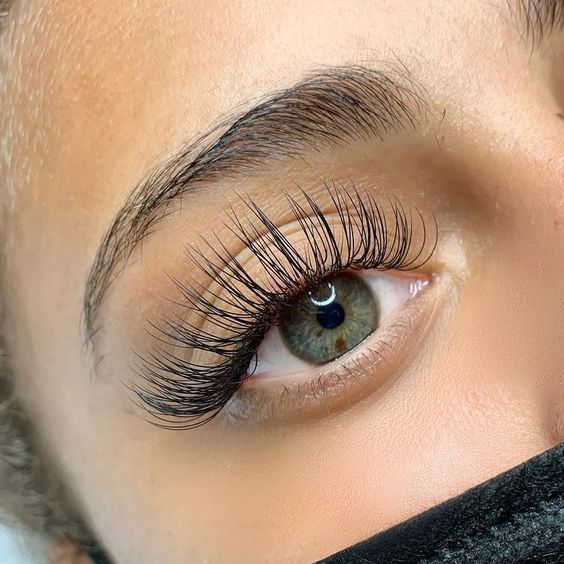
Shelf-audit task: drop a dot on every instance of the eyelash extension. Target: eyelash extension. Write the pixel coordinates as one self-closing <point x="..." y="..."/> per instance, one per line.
<point x="181" y="394"/>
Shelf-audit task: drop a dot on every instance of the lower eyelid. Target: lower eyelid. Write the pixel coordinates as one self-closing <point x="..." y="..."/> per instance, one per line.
<point x="368" y="369"/>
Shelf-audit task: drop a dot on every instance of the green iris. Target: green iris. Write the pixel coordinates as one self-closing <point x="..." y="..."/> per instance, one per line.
<point x="330" y="321"/>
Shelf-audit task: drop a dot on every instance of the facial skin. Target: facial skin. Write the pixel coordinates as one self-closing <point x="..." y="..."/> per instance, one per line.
<point x="98" y="92"/>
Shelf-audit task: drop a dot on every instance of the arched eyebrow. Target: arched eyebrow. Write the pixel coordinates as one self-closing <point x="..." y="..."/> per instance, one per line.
<point x="336" y="106"/>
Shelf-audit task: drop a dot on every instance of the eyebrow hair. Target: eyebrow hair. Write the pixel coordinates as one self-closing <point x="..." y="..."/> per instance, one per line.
<point x="332" y="107"/>
<point x="538" y="19"/>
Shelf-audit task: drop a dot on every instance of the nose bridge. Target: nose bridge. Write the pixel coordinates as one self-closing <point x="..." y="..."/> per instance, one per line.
<point x="510" y="142"/>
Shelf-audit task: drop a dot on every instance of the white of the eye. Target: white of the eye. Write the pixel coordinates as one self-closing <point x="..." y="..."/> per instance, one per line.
<point x="390" y="291"/>
<point x="273" y="357"/>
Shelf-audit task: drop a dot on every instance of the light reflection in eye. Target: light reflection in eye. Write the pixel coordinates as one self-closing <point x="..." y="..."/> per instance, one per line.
<point x="323" y="301"/>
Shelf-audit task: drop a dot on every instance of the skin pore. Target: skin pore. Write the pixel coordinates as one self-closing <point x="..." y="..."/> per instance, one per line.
<point x="98" y="93"/>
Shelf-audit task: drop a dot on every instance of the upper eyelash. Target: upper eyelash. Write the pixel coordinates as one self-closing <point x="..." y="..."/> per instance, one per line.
<point x="181" y="394"/>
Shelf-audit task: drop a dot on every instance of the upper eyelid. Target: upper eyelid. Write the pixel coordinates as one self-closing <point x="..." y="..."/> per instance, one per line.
<point x="245" y="306"/>
<point x="336" y="105"/>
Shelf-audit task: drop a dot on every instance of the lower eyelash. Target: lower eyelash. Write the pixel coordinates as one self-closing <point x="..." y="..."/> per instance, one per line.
<point x="181" y="394"/>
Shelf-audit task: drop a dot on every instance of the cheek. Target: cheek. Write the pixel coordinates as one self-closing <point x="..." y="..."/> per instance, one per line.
<point x="299" y="490"/>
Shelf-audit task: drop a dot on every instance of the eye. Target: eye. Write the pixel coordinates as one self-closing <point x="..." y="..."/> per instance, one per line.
<point x="332" y="320"/>
<point x="296" y="319"/>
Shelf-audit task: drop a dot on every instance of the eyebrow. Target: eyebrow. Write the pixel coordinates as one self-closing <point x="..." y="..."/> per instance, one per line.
<point x="332" y="107"/>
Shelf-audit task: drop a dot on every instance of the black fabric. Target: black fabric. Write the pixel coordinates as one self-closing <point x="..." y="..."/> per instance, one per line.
<point x="97" y="556"/>
<point x="517" y="517"/>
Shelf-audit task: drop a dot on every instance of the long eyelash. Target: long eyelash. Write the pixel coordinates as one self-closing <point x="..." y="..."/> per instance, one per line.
<point x="182" y="394"/>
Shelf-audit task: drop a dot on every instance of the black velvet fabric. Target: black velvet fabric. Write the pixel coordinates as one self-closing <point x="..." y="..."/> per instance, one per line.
<point x="517" y="517"/>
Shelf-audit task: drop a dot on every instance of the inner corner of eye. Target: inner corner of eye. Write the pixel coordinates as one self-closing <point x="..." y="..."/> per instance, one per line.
<point x="330" y="320"/>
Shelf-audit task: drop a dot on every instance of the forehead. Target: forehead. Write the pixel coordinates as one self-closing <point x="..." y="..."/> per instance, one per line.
<point x="99" y="89"/>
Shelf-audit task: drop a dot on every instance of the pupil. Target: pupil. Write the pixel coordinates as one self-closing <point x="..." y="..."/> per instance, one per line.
<point x="331" y="315"/>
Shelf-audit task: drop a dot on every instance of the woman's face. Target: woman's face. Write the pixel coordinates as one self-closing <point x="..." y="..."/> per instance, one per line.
<point x="418" y="123"/>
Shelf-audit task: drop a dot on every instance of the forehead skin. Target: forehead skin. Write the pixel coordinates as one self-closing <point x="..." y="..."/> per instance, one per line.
<point x="95" y="92"/>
